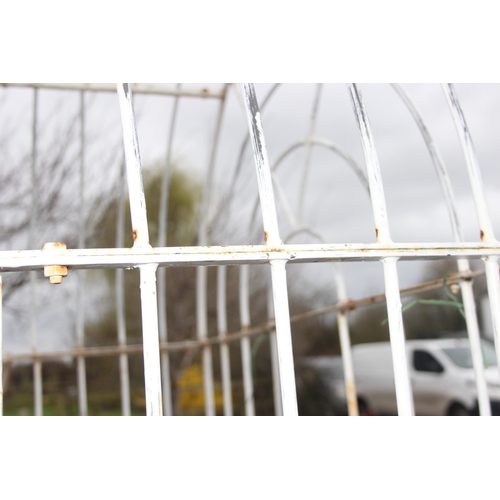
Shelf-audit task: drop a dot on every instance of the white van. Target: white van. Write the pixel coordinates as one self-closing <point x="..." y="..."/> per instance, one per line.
<point x="441" y="375"/>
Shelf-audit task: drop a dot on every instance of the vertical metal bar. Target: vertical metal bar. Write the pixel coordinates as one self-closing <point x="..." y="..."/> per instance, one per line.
<point x="80" y="318"/>
<point x="202" y="333"/>
<point x="463" y="264"/>
<point x="284" y="338"/>
<point x="140" y="233"/>
<point x="486" y="235"/>
<point x="272" y="239"/>
<point x="162" y="242"/>
<point x="246" y="356"/>
<point x="152" y="372"/>
<point x="278" y="406"/>
<point x="120" y="301"/>
<point x="223" y="346"/>
<point x="345" y="345"/>
<point x="396" y="330"/>
<point x="37" y="365"/>
<point x="1" y="348"/>
<point x="201" y="271"/>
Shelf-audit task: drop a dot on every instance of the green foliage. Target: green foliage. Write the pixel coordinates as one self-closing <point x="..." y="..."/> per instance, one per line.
<point x="183" y="200"/>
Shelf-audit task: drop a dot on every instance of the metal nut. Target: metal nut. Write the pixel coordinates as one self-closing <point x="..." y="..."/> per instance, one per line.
<point x="55" y="273"/>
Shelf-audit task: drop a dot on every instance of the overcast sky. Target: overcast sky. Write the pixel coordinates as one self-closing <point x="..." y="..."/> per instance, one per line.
<point x="336" y="206"/>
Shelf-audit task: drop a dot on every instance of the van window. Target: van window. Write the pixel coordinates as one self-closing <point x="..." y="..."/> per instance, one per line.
<point x="423" y="361"/>
<point x="462" y="356"/>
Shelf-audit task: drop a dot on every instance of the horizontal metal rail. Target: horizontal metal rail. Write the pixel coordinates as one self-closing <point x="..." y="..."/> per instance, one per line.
<point x="137" y="88"/>
<point x="26" y="260"/>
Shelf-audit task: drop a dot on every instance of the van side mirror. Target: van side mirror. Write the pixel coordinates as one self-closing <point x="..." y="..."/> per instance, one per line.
<point x="424" y="361"/>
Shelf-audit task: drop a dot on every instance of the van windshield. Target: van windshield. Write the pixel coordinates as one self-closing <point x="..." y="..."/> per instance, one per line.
<point x="462" y="356"/>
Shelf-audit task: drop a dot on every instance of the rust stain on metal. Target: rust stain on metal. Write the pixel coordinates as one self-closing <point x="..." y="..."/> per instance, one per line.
<point x="266" y="236"/>
<point x="54" y="245"/>
<point x="135" y="235"/>
<point x="482" y="235"/>
<point x="351" y="398"/>
<point x="376" y="233"/>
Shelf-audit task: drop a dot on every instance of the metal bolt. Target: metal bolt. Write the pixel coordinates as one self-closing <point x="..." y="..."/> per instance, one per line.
<point x="55" y="273"/>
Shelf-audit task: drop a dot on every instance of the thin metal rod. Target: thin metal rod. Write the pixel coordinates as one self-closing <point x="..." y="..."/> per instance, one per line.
<point x="396" y="330"/>
<point x="140" y="233"/>
<point x="80" y="318"/>
<point x="343" y="328"/>
<point x="162" y="241"/>
<point x="278" y="405"/>
<point x="223" y="345"/>
<point x="201" y="273"/>
<point x="137" y="88"/>
<point x="1" y="348"/>
<point x="120" y="300"/>
<point x="202" y="334"/>
<point x="348" y="305"/>
<point x="345" y="344"/>
<point x="246" y="357"/>
<point x="437" y="161"/>
<point x="37" y="366"/>
<point x="272" y="239"/>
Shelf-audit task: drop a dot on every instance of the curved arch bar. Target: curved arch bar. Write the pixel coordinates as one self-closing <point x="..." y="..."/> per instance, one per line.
<point x="403" y="388"/>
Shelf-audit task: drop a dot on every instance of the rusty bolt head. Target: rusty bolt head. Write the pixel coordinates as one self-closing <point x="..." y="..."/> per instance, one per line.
<point x="54" y="245"/>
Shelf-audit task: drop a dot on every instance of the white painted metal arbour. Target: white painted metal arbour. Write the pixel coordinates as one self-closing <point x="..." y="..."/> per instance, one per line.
<point x="56" y="259"/>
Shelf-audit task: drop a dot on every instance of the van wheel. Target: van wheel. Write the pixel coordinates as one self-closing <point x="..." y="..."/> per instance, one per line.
<point x="457" y="410"/>
<point x="363" y="409"/>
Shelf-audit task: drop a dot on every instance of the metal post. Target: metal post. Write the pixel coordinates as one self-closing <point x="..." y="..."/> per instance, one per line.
<point x="396" y="330"/>
<point x="272" y="239"/>
<point x="140" y="234"/>
<point x="246" y="356"/>
<point x="80" y="317"/>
